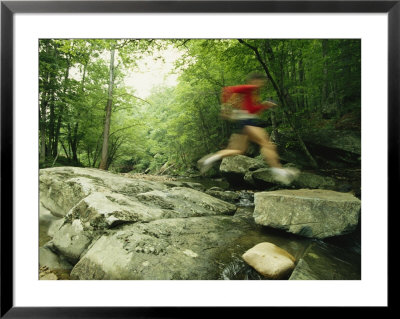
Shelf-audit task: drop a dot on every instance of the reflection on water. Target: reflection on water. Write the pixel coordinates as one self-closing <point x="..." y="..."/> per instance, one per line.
<point x="246" y="199"/>
<point x="238" y="269"/>
<point x="229" y="261"/>
<point x="206" y="182"/>
<point x="45" y="221"/>
<point x="232" y="266"/>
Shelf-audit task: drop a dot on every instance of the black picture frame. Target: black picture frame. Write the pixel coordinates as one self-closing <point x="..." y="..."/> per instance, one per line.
<point x="9" y="8"/>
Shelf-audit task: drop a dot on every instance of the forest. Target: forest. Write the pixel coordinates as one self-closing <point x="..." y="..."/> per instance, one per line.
<point x="125" y="123"/>
<point x="90" y="117"/>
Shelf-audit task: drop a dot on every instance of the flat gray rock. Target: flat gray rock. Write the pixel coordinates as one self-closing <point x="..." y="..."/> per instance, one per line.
<point x="61" y="188"/>
<point x="310" y="213"/>
<point x="92" y="201"/>
<point x="181" y="248"/>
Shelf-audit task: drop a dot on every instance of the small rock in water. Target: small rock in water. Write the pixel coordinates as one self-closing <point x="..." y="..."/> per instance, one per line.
<point x="270" y="260"/>
<point x="190" y="253"/>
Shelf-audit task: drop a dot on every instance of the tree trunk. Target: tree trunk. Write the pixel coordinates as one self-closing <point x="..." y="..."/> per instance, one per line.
<point x="325" y="71"/>
<point x="53" y="148"/>
<point x="107" y="122"/>
<point x="114" y="146"/>
<point x="283" y="99"/>
<point x="301" y="80"/>
<point x="301" y="142"/>
<point x="42" y="114"/>
<point x="74" y="137"/>
<point x="60" y="112"/>
<point x="88" y="156"/>
<point x="43" y="133"/>
<point x="65" y="150"/>
<point x="97" y="151"/>
<point x="274" y="127"/>
<point x="74" y="143"/>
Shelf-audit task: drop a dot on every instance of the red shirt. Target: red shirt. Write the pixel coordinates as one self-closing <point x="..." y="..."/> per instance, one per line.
<point x="247" y="102"/>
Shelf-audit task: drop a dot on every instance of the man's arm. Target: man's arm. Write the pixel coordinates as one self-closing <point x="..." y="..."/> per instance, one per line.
<point x="268" y="104"/>
<point x="229" y="91"/>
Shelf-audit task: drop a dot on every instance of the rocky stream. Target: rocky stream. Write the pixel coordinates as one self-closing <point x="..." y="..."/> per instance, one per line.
<point x="96" y="225"/>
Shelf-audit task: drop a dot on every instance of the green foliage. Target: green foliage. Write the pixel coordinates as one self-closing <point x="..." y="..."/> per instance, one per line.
<point x="60" y="161"/>
<point x="317" y="83"/>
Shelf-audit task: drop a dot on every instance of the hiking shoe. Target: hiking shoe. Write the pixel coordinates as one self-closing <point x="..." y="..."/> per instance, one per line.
<point x="284" y="175"/>
<point x="293" y="173"/>
<point x="280" y="175"/>
<point x="206" y="162"/>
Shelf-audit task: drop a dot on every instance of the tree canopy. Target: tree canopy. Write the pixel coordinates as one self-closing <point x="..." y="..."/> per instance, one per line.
<point x="89" y="116"/>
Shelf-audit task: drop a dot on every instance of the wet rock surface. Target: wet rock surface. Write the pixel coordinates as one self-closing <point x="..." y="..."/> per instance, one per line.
<point x="331" y="148"/>
<point x="228" y="196"/>
<point x="348" y="141"/>
<point x="184" y="248"/>
<point x="248" y="172"/>
<point x="235" y="168"/>
<point x="323" y="261"/>
<point x="310" y="213"/>
<point x="110" y="226"/>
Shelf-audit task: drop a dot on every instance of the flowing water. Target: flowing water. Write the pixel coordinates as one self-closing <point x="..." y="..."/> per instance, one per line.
<point x="231" y="265"/>
<point x="345" y="248"/>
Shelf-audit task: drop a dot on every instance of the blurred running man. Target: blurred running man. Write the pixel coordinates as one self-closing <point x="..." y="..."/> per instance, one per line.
<point x="246" y="107"/>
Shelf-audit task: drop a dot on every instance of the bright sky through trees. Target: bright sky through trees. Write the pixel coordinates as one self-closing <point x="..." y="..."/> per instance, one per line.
<point x="161" y="98"/>
<point x="153" y="71"/>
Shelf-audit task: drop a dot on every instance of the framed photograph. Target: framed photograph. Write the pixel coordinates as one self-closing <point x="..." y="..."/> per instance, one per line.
<point x="115" y="116"/>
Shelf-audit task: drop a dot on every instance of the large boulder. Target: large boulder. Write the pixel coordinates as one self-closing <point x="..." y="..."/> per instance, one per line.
<point x="96" y="213"/>
<point x="72" y="239"/>
<point x="61" y="188"/>
<point x="254" y="172"/>
<point x="263" y="179"/>
<point x="313" y="181"/>
<point x="309" y="213"/>
<point x="101" y="211"/>
<point x="48" y="258"/>
<point x="234" y="168"/>
<point x="186" y="202"/>
<point x="109" y="200"/>
<point x="331" y="148"/>
<point x="348" y="141"/>
<point x="118" y="227"/>
<point x="176" y="248"/>
<point x="334" y="148"/>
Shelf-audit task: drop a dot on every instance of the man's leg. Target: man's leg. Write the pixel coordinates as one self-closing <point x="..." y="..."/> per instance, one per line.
<point x="237" y="145"/>
<point x="267" y="148"/>
<point x="270" y="154"/>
